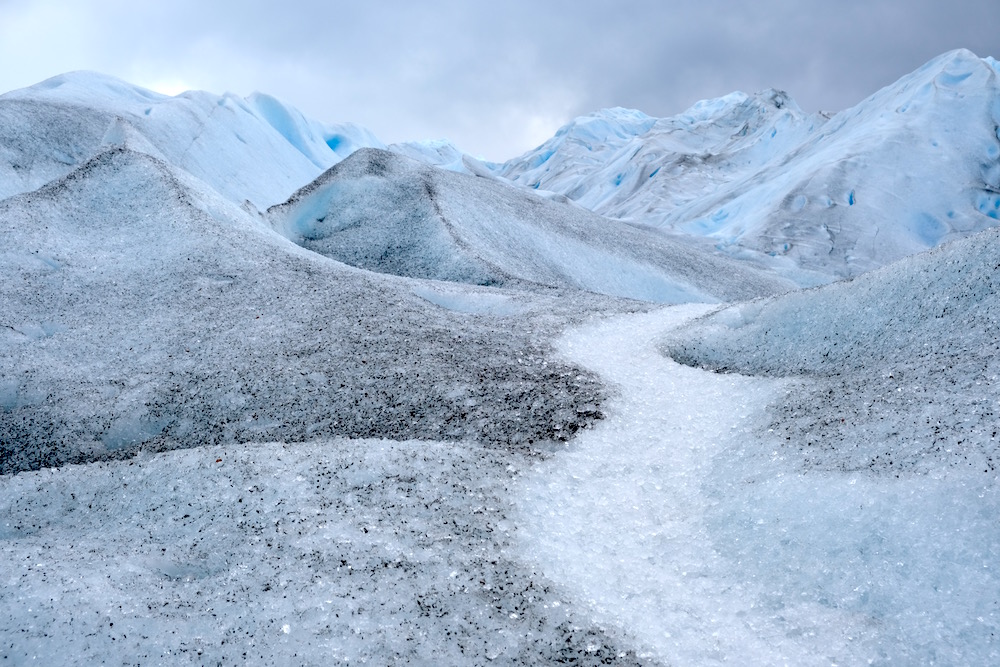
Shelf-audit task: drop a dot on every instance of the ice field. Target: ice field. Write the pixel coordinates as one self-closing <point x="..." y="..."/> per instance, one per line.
<point x="719" y="388"/>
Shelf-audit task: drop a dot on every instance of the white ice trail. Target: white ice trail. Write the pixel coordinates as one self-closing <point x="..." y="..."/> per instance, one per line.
<point x="619" y="518"/>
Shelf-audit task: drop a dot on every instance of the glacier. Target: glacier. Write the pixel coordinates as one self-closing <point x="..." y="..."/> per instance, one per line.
<point x="55" y="126"/>
<point x="385" y="212"/>
<point x="818" y="198"/>
<point x="713" y="388"/>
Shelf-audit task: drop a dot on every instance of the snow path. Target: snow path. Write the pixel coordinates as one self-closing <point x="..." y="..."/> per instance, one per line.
<point x="622" y="519"/>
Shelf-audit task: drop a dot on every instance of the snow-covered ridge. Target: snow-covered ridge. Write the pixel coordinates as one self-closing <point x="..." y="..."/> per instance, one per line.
<point x="50" y="128"/>
<point x="914" y="165"/>
<point x="606" y="159"/>
<point x="388" y="213"/>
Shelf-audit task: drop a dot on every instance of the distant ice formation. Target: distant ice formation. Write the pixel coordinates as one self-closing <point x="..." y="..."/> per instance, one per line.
<point x="912" y="166"/>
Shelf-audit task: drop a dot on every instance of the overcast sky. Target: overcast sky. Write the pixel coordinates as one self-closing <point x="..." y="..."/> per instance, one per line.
<point x="495" y="77"/>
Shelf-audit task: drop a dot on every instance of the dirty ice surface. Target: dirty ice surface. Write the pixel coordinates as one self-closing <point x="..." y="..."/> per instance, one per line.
<point x="330" y="552"/>
<point x="708" y="547"/>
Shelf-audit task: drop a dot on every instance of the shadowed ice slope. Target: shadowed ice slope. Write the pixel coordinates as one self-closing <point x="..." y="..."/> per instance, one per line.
<point x="253" y="148"/>
<point x="904" y="361"/>
<point x="912" y="166"/>
<point x="141" y="308"/>
<point x="387" y="213"/>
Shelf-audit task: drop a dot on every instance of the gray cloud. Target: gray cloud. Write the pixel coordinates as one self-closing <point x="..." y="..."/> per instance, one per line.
<point x="495" y="78"/>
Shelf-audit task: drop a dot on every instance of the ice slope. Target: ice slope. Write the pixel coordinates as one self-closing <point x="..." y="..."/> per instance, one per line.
<point x="688" y="525"/>
<point x="565" y="163"/>
<point x="624" y="164"/>
<point x="387" y="213"/>
<point x="143" y="309"/>
<point x="902" y="363"/>
<point x="444" y="154"/>
<point x="915" y="164"/>
<point x="255" y="149"/>
<point x="333" y="551"/>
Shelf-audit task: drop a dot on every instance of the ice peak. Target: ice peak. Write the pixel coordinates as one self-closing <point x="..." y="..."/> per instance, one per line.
<point x="954" y="69"/>
<point x="779" y="99"/>
<point x="955" y="56"/>
<point x="85" y="86"/>
<point x="714" y="109"/>
<point x="621" y="114"/>
<point x="606" y="124"/>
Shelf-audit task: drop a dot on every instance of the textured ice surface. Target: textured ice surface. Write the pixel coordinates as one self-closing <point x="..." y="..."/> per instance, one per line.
<point x="466" y="300"/>
<point x="903" y="362"/>
<point x="140" y="309"/>
<point x="624" y="164"/>
<point x="678" y="521"/>
<point x="842" y="510"/>
<point x="387" y="213"/>
<point x="332" y="552"/>
<point x="912" y="166"/>
<point x="254" y="149"/>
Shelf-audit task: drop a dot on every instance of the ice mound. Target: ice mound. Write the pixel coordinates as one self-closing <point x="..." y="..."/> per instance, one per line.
<point x="906" y="360"/>
<point x="323" y="144"/>
<point x="144" y="310"/>
<point x="640" y="168"/>
<point x="441" y="153"/>
<point x="886" y="179"/>
<point x="255" y="148"/>
<point x="387" y="213"/>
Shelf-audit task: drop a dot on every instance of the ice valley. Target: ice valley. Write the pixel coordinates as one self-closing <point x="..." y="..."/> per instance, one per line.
<point x="715" y="388"/>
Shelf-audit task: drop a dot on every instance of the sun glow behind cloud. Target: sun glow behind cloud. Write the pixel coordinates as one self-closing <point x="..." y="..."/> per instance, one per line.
<point x="169" y="87"/>
<point x="166" y="86"/>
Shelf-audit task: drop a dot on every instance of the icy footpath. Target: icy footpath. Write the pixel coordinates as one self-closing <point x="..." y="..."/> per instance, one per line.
<point x="623" y="521"/>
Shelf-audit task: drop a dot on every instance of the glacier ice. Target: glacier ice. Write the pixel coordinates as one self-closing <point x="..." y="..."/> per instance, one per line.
<point x="143" y="310"/>
<point x="817" y="198"/>
<point x="902" y="361"/>
<point x="686" y="522"/>
<point x="415" y="412"/>
<point x="387" y="213"/>
<point x="329" y="551"/>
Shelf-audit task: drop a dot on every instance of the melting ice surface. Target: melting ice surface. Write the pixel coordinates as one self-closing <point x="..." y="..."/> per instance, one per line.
<point x="674" y="523"/>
